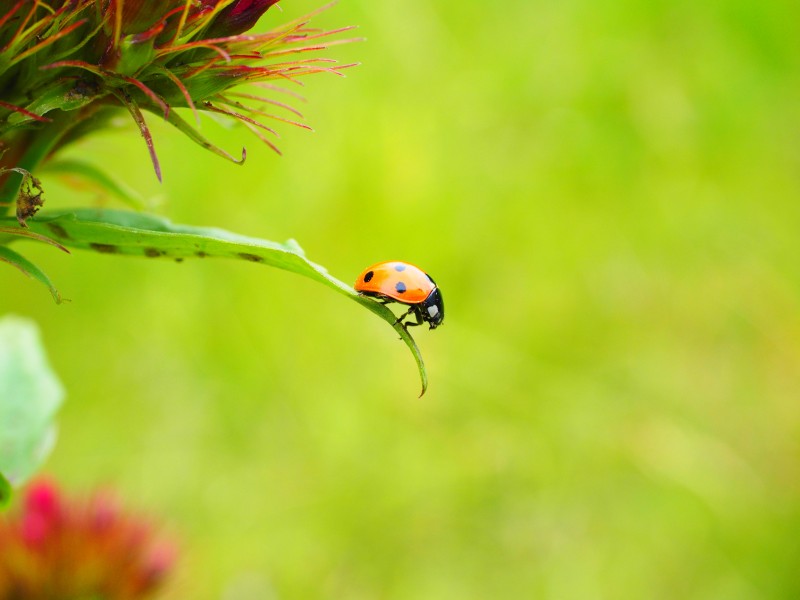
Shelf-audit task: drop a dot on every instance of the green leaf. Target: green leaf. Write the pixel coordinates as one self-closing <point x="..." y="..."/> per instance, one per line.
<point x="30" y="395"/>
<point x="134" y="55"/>
<point x="139" y="234"/>
<point x="5" y="491"/>
<point x="31" y="270"/>
<point x="63" y="94"/>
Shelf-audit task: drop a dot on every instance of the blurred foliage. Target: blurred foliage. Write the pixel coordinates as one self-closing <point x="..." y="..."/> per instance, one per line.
<point x="607" y="195"/>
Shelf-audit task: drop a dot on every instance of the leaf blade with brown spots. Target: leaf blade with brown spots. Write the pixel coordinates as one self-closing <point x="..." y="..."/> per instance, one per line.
<point x="138" y="234"/>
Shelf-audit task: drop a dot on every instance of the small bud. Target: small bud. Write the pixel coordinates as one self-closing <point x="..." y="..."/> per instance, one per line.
<point x="42" y="514"/>
<point x="238" y="17"/>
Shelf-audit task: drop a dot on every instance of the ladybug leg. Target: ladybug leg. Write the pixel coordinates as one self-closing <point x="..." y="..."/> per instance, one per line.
<point x="403" y="316"/>
<point x="417" y="313"/>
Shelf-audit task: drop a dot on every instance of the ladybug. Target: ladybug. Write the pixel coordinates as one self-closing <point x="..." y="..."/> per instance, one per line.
<point x="397" y="281"/>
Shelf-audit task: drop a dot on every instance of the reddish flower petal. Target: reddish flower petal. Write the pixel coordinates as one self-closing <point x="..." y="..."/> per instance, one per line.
<point x="157" y="566"/>
<point x="104" y="511"/>
<point x="34" y="530"/>
<point x="44" y="500"/>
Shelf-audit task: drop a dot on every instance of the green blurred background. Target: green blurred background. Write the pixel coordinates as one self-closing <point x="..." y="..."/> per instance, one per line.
<point x="608" y="195"/>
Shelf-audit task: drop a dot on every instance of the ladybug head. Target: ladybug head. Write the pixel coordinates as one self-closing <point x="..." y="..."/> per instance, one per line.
<point x="432" y="309"/>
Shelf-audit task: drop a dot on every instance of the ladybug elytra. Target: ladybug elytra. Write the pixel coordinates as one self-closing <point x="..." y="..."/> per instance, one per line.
<point x="397" y="281"/>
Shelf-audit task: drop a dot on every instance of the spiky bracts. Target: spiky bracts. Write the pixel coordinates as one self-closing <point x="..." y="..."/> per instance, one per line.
<point x="67" y="65"/>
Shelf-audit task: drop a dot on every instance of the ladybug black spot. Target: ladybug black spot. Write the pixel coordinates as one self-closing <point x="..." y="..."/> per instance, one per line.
<point x="399" y="267"/>
<point x="368" y="276"/>
<point x="400" y="287"/>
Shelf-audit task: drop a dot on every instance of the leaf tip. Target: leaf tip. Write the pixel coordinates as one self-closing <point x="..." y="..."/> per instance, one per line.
<point x="405" y="336"/>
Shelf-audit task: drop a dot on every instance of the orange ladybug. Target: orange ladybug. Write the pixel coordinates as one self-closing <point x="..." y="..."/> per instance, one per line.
<point x="397" y="281"/>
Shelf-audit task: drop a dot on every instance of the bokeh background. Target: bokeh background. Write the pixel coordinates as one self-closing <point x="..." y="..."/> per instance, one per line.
<point x="608" y="195"/>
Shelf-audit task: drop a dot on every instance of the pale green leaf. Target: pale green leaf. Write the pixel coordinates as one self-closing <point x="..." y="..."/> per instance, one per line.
<point x="30" y="395"/>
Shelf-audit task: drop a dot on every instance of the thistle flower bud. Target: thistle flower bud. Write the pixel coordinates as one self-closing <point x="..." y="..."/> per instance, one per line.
<point x="68" y="66"/>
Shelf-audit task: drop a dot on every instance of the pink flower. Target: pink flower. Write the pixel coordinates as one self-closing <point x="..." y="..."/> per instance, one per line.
<point x="62" y="548"/>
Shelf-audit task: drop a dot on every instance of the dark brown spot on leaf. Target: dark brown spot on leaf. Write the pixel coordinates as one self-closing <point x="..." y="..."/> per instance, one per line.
<point x="104" y="248"/>
<point x="250" y="257"/>
<point x="200" y="254"/>
<point x="58" y="231"/>
<point x="152" y="252"/>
